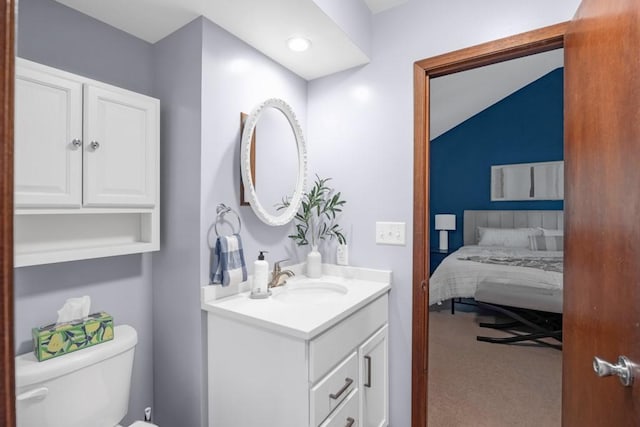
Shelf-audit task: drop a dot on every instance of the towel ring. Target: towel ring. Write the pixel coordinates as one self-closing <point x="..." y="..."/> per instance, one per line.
<point x="221" y="211"/>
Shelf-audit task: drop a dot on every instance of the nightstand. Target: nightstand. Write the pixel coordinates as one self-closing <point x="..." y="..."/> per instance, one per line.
<point x="436" y="257"/>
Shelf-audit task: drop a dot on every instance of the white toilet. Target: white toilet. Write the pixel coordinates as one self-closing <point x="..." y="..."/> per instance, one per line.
<point x="87" y="388"/>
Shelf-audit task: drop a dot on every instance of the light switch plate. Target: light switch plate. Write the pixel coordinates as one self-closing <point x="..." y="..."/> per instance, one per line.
<point x="391" y="233"/>
<point x="342" y="255"/>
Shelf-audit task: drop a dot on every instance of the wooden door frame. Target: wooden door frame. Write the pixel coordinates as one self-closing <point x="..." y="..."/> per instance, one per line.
<point x="7" y="389"/>
<point x="529" y="43"/>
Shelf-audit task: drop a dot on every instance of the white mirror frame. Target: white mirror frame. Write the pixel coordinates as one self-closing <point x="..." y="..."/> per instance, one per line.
<point x="245" y="163"/>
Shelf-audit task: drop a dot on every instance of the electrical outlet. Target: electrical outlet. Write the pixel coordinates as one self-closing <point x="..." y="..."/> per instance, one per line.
<point x="342" y="255"/>
<point x="391" y="233"/>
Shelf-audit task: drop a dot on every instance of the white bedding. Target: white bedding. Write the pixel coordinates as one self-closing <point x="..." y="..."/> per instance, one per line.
<point x="460" y="278"/>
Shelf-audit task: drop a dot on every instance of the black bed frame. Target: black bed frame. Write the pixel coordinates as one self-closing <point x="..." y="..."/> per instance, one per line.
<point x="527" y="325"/>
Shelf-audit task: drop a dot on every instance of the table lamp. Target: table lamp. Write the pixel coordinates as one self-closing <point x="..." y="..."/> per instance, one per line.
<point x="444" y="223"/>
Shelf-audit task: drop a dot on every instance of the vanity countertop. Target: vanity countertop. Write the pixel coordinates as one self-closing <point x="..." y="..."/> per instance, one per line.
<point x="308" y="318"/>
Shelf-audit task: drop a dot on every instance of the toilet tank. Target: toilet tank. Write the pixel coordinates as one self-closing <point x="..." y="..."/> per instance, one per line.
<point x="87" y="388"/>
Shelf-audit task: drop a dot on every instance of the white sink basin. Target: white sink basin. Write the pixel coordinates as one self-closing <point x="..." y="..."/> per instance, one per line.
<point x="310" y="292"/>
<point x="304" y="307"/>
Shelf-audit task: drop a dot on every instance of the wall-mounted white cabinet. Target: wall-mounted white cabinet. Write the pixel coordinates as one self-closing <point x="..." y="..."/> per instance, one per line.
<point x="48" y="138"/>
<point x="87" y="168"/>
<point x="120" y="159"/>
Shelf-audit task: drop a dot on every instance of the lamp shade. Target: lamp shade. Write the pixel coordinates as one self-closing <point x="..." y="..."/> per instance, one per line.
<point x="445" y="222"/>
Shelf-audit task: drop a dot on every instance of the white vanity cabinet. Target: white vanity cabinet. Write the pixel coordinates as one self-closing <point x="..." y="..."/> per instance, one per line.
<point x="264" y="377"/>
<point x="86" y="167"/>
<point x="374" y="379"/>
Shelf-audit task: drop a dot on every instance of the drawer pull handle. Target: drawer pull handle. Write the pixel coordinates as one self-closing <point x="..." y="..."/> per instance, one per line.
<point x="368" y="383"/>
<point x="350" y="422"/>
<point x="347" y="383"/>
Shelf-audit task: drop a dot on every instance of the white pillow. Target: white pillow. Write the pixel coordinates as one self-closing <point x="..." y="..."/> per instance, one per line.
<point x="552" y="232"/>
<point x="508" y="237"/>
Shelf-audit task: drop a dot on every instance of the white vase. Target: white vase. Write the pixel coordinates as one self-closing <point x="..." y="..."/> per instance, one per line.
<point x="314" y="263"/>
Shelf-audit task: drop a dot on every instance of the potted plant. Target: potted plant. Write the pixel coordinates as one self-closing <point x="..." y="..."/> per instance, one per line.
<point x="316" y="221"/>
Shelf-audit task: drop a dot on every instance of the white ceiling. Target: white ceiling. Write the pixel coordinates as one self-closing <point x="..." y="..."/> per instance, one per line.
<point x="264" y="24"/>
<point x="267" y="24"/>
<point x="457" y="97"/>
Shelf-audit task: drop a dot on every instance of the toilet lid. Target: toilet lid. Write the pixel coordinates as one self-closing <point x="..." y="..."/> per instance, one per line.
<point x="142" y="424"/>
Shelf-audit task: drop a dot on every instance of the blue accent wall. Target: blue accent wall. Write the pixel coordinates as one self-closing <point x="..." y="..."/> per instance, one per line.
<point x="526" y="126"/>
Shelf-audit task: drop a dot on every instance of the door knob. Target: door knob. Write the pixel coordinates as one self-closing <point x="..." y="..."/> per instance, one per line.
<point x="623" y="369"/>
<point x="95" y="145"/>
<point x="77" y="143"/>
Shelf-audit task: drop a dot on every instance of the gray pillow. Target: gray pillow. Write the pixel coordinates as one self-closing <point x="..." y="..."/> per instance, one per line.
<point x="546" y="243"/>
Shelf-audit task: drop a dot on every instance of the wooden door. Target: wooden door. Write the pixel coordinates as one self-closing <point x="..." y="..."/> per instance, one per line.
<point x="7" y="381"/>
<point x="121" y="148"/>
<point x="602" y="206"/>
<point x="48" y="132"/>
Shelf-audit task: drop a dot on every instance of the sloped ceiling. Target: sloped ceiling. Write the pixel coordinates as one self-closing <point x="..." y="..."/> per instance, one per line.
<point x="378" y="6"/>
<point x="457" y="97"/>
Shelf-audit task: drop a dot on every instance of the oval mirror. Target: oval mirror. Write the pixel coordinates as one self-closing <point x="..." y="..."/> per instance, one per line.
<point x="279" y="170"/>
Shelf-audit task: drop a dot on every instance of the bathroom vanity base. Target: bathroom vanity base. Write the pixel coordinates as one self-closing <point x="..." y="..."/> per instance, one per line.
<point x="262" y="377"/>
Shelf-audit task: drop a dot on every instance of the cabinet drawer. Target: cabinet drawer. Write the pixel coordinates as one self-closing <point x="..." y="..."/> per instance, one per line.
<point x="346" y="415"/>
<point x="332" y="346"/>
<point x="333" y="389"/>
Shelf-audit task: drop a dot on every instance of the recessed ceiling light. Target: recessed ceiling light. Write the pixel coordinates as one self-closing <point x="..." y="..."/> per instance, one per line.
<point x="298" y="44"/>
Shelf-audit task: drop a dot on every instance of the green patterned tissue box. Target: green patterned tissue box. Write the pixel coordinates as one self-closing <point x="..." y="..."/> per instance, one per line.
<point x="61" y="338"/>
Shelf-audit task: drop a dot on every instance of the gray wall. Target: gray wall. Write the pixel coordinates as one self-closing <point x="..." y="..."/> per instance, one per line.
<point x="205" y="77"/>
<point x="236" y="78"/>
<point x="55" y="35"/>
<point x="61" y="37"/>
<point x="365" y="115"/>
<point x="177" y="343"/>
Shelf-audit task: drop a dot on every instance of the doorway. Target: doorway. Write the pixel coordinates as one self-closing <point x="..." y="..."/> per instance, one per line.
<point x="510" y="112"/>
<point x="542" y="40"/>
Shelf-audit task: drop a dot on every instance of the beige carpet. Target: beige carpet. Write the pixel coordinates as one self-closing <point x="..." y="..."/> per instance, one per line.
<point x="479" y="384"/>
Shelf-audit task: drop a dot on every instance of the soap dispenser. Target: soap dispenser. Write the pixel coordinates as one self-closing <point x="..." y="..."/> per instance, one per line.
<point x="259" y="286"/>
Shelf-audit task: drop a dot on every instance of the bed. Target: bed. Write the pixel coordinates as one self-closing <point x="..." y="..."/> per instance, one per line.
<point x="505" y="276"/>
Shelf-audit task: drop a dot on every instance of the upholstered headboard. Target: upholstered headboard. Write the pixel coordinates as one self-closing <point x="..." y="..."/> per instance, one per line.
<point x="509" y="219"/>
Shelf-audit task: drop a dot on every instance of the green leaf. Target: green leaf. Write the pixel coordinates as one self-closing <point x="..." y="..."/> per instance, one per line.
<point x="315" y="220"/>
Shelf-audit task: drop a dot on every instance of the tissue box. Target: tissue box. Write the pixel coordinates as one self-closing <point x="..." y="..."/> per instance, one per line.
<point x="61" y="338"/>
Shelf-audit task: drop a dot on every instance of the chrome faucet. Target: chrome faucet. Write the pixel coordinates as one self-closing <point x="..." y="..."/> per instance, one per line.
<point x="278" y="273"/>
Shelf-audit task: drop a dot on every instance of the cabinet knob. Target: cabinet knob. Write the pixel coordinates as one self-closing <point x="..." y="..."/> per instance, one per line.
<point x="95" y="145"/>
<point x="76" y="143"/>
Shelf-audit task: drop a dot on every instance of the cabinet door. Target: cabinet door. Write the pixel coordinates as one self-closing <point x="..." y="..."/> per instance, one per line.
<point x="374" y="380"/>
<point x="121" y="148"/>
<point x="48" y="132"/>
